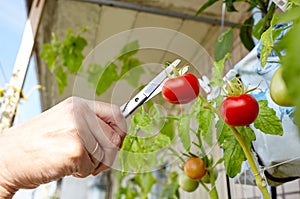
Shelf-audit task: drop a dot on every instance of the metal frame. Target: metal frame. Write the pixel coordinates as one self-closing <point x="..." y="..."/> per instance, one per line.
<point x="158" y="11"/>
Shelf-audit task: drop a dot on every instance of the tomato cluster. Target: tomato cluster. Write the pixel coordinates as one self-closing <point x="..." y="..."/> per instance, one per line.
<point x="195" y="170"/>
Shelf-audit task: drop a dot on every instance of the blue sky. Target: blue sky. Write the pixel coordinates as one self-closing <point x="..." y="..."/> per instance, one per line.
<point x="12" y="21"/>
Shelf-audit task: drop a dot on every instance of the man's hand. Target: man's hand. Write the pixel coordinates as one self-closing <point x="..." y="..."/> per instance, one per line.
<point x="76" y="137"/>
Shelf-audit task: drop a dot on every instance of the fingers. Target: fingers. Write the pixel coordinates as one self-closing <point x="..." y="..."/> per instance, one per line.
<point x="110" y="129"/>
<point x="85" y="128"/>
<point x="102" y="128"/>
<point x="111" y="115"/>
<point x="110" y="142"/>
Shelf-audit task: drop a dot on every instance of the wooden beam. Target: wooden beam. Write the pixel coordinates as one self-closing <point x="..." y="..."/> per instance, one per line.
<point x="15" y="85"/>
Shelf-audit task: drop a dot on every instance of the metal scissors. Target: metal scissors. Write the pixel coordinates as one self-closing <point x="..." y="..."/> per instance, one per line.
<point x="149" y="91"/>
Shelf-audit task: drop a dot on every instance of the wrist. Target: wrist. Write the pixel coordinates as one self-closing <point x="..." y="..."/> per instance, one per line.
<point x="6" y="191"/>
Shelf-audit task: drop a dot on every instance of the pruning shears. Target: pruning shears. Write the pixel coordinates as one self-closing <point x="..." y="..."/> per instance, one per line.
<point x="153" y="88"/>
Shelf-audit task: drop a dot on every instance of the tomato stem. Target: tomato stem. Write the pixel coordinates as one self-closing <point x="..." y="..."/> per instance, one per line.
<point x="260" y="182"/>
<point x="204" y="186"/>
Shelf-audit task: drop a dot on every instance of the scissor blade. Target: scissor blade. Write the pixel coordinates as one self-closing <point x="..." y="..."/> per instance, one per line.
<point x="158" y="80"/>
<point x="148" y="90"/>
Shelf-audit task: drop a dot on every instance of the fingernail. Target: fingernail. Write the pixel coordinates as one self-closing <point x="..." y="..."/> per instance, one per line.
<point x="116" y="139"/>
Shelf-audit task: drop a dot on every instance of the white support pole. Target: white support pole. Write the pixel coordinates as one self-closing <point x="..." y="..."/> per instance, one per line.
<point x="15" y="85"/>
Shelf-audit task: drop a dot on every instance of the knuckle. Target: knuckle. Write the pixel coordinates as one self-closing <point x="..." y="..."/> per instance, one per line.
<point x="75" y="150"/>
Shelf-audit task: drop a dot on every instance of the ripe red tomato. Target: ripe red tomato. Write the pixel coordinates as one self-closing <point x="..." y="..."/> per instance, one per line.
<point x="239" y="110"/>
<point x="194" y="168"/>
<point x="182" y="89"/>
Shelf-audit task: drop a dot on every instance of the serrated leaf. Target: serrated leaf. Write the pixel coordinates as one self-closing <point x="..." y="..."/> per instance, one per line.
<point x="108" y="76"/>
<point x="61" y="78"/>
<point x="184" y="131"/>
<point x="223" y="45"/>
<point x="246" y="33"/>
<point x="267" y="121"/>
<point x="233" y="157"/>
<point x="72" y="56"/>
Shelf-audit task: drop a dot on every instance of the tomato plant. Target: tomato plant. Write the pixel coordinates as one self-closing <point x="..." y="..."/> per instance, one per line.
<point x="194" y="168"/>
<point x="239" y="110"/>
<point x="187" y="184"/>
<point x="278" y="90"/>
<point x="181" y="89"/>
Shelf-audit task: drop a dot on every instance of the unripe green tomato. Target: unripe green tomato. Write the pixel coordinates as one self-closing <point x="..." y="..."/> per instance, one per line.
<point x="278" y="90"/>
<point x="206" y="178"/>
<point x="187" y="184"/>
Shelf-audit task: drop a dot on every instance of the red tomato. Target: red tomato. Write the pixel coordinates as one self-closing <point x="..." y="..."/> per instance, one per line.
<point x="239" y="110"/>
<point x="182" y="89"/>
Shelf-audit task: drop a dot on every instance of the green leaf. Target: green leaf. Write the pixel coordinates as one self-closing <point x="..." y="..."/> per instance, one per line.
<point x="131" y="71"/>
<point x="169" y="129"/>
<point x="223" y="131"/>
<point x="291" y="15"/>
<point x="106" y="79"/>
<point x="258" y="28"/>
<point x="223" y="45"/>
<point x="246" y="33"/>
<point x="233" y="157"/>
<point x="248" y="134"/>
<point x="71" y="52"/>
<point x="49" y="54"/>
<point x="170" y="190"/>
<point x="267" y="121"/>
<point x="267" y="39"/>
<point x="129" y="50"/>
<point x="217" y="71"/>
<point x="94" y="71"/>
<point x="206" y="5"/>
<point x="184" y="131"/>
<point x="61" y="78"/>
<point x="143" y="122"/>
<point x="145" y="182"/>
<point x="205" y="124"/>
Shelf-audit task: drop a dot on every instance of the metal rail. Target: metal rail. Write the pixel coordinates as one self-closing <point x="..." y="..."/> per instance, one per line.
<point x="158" y="11"/>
